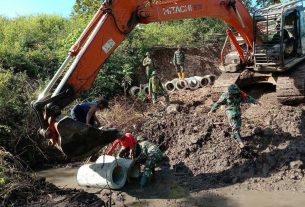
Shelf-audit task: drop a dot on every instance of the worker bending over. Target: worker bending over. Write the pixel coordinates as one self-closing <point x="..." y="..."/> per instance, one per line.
<point x="129" y="146"/>
<point x="86" y="112"/>
<point x="150" y="155"/>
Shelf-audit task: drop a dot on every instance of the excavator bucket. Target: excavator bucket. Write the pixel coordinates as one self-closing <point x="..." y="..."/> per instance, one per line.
<point x="80" y="141"/>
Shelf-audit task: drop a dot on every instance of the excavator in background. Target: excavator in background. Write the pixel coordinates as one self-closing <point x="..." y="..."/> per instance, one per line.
<point x="258" y="53"/>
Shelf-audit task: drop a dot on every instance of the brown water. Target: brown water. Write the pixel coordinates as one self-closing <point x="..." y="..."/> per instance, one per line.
<point x="165" y="192"/>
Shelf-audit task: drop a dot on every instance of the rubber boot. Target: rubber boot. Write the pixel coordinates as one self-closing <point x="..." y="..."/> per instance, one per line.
<point x="179" y="75"/>
<point x="182" y="75"/>
<point x="144" y="181"/>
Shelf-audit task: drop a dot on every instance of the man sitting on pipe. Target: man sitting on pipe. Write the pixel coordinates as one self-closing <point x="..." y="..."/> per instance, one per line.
<point x="150" y="155"/>
<point x="156" y="88"/>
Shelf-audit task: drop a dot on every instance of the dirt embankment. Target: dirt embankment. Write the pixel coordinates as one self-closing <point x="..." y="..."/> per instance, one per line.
<point x="198" y="62"/>
<point x="203" y="156"/>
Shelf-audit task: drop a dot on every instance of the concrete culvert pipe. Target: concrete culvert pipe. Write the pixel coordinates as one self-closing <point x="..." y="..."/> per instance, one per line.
<point x="203" y="81"/>
<point x="192" y="83"/>
<point x="99" y="175"/>
<point x="134" y="91"/>
<point x="211" y="78"/>
<point x="169" y="86"/>
<point x="132" y="169"/>
<point x="146" y="89"/>
<point x="181" y="85"/>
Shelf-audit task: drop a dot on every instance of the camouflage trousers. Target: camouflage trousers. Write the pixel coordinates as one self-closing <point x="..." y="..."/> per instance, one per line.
<point x="234" y="118"/>
<point x="149" y="72"/>
<point x="151" y="161"/>
<point x="155" y="95"/>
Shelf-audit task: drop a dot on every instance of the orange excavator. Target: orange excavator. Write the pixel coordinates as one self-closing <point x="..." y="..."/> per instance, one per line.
<point x="259" y="52"/>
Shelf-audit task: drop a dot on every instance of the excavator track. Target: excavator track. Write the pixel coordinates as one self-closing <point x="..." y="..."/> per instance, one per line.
<point x="222" y="83"/>
<point x="290" y="86"/>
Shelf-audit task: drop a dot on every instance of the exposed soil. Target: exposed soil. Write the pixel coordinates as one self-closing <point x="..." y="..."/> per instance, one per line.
<point x="205" y="167"/>
<point x="200" y="148"/>
<point x="198" y="62"/>
<point x="202" y="157"/>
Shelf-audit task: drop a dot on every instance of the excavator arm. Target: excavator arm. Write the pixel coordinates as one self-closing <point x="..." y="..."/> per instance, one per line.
<point x="108" y="28"/>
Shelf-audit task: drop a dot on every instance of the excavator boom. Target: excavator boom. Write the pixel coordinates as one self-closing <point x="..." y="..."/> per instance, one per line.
<point x="108" y="28"/>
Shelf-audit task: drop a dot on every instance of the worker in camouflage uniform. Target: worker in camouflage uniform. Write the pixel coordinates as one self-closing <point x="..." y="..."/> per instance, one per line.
<point x="156" y="88"/>
<point x="178" y="62"/>
<point x="232" y="100"/>
<point x="149" y="65"/>
<point x="150" y="155"/>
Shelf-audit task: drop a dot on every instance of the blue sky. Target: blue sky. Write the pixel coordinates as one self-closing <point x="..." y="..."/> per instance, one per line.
<point x="15" y="8"/>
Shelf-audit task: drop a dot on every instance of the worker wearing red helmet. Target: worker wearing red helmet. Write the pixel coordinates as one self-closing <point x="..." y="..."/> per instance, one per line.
<point x="130" y="146"/>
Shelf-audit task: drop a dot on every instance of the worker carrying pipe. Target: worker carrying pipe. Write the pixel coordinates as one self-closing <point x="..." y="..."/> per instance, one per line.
<point x="232" y="100"/>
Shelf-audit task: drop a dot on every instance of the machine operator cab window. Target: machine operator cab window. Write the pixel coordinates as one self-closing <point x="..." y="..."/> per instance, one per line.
<point x="278" y="36"/>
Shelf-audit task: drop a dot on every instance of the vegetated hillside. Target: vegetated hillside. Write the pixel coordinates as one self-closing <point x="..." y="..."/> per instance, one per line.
<point x="203" y="156"/>
<point x="198" y="62"/>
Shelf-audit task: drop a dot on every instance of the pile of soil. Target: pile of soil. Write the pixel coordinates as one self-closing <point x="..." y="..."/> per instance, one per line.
<point x="203" y="156"/>
<point x="198" y="62"/>
<point x="19" y="187"/>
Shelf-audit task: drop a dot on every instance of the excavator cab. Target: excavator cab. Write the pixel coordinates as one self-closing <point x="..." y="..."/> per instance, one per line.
<point x="279" y="37"/>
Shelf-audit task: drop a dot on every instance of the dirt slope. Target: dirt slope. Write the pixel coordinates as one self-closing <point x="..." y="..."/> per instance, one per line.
<point x="203" y="156"/>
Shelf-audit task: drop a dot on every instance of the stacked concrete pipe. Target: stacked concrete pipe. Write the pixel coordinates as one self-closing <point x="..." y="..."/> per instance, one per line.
<point x="134" y="90"/>
<point x="146" y="89"/>
<point x="192" y="83"/>
<point x="170" y="86"/>
<point x="211" y="78"/>
<point x="181" y="85"/>
<point x="203" y="81"/>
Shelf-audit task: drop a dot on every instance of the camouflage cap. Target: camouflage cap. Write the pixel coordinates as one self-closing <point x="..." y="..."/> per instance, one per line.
<point x="147" y="53"/>
<point x="141" y="138"/>
<point x="154" y="73"/>
<point x="233" y="89"/>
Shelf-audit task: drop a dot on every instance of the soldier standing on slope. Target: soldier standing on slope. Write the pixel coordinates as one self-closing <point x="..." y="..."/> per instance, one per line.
<point x="178" y="61"/>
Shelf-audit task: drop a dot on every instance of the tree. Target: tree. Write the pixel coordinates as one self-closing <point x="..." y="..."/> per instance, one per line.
<point x="86" y="7"/>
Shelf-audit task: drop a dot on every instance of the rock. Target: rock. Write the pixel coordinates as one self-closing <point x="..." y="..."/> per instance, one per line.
<point x="172" y="109"/>
<point x="267" y="132"/>
<point x="296" y="164"/>
<point x="257" y="130"/>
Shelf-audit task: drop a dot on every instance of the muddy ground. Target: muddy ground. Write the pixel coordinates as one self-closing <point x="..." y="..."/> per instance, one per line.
<point x="204" y="156"/>
<point x="205" y="167"/>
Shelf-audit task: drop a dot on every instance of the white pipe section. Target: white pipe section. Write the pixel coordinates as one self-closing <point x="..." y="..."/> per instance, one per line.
<point x="192" y="83"/>
<point x="134" y="91"/>
<point x="181" y="85"/>
<point x="108" y="172"/>
<point x="211" y="78"/>
<point x="55" y="78"/>
<point x="170" y="86"/>
<point x="203" y="81"/>
<point x="132" y="169"/>
<point x="146" y="89"/>
<point x="80" y="54"/>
